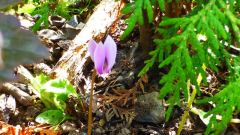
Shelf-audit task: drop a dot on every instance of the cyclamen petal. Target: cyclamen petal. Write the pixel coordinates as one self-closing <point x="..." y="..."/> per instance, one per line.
<point x="92" y="46"/>
<point x="99" y="58"/>
<point x="103" y="56"/>
<point x="110" y="52"/>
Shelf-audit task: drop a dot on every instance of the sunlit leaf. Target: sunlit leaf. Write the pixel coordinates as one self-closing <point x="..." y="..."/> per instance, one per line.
<point x="27" y="8"/>
<point x="50" y="117"/>
<point x="55" y="92"/>
<point x="201" y="115"/>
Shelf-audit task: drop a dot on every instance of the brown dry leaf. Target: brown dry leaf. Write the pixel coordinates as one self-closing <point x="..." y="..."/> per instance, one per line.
<point x="17" y="130"/>
<point x="142" y="87"/>
<point x="124" y="95"/>
<point x="110" y="113"/>
<point x="124" y="113"/>
<point x="114" y="98"/>
<point x="126" y="98"/>
<point x="127" y="113"/>
<point x="144" y="78"/>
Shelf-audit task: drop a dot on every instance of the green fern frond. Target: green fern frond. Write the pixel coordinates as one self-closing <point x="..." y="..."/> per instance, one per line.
<point x="43" y="19"/>
<point x="161" y="4"/>
<point x="137" y="16"/>
<point x="226" y="101"/>
<point x="137" y="7"/>
<point x="62" y="9"/>
<point x="215" y="26"/>
<point x="148" y="7"/>
<point x="149" y="63"/>
<point x="41" y="10"/>
<point x="218" y="22"/>
<point x="172" y="100"/>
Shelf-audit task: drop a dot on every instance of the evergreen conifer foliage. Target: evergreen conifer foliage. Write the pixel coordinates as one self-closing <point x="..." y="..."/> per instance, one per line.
<point x="136" y="7"/>
<point x="217" y="20"/>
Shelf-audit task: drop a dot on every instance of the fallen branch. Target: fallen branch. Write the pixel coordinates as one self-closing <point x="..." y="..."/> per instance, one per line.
<point x="72" y="64"/>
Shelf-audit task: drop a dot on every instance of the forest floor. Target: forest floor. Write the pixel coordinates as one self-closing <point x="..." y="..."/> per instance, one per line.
<point x="124" y="104"/>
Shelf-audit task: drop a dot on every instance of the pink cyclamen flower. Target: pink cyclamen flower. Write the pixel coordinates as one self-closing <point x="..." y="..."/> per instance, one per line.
<point x="103" y="55"/>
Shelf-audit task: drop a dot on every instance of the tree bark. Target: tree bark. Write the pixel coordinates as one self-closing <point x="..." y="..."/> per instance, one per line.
<point x="173" y="10"/>
<point x="146" y="34"/>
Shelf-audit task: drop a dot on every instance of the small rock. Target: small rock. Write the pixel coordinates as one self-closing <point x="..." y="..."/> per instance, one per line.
<point x="72" y="28"/>
<point x="32" y="111"/>
<point x="56" y="20"/>
<point x="122" y="87"/>
<point x="70" y="32"/>
<point x="125" y="131"/>
<point x="99" y="113"/>
<point x="36" y="17"/>
<point x="99" y="131"/>
<point x="80" y="25"/>
<point x="101" y="122"/>
<point x="120" y="80"/>
<point x="232" y="133"/>
<point x="49" y="34"/>
<point x="82" y="133"/>
<point x="74" y="21"/>
<point x="28" y="17"/>
<point x="26" y="23"/>
<point x="77" y="133"/>
<point x="26" y="20"/>
<point x="149" y="108"/>
<point x="128" y="79"/>
<point x="7" y="107"/>
<point x="67" y="127"/>
<point x="152" y="132"/>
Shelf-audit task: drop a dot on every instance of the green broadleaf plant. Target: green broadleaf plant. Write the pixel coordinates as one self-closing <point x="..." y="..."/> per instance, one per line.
<point x="27" y="8"/>
<point x="53" y="94"/>
<point x="53" y="117"/>
<point x="217" y="21"/>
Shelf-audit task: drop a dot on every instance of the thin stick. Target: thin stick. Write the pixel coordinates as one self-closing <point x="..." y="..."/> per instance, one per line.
<point x="90" y="104"/>
<point x="189" y="106"/>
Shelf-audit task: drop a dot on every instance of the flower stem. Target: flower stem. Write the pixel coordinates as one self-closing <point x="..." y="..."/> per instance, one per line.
<point x="189" y="106"/>
<point x="90" y="104"/>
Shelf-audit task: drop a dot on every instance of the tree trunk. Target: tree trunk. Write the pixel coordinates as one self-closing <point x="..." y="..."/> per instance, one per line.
<point x="146" y="34"/>
<point x="173" y="10"/>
